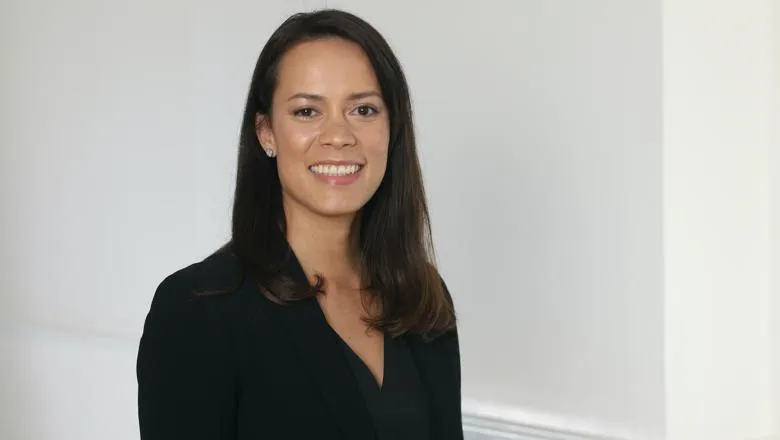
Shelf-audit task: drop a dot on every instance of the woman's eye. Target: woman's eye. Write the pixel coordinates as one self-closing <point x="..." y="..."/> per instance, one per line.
<point x="304" y="113"/>
<point x="367" y="110"/>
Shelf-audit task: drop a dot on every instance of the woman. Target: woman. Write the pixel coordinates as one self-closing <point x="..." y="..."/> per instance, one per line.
<point x="324" y="316"/>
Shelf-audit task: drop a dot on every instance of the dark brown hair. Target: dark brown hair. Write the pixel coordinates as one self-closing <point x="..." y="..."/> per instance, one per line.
<point x="394" y="245"/>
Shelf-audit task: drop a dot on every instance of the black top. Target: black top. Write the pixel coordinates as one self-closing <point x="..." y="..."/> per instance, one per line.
<point x="399" y="408"/>
<point x="237" y="366"/>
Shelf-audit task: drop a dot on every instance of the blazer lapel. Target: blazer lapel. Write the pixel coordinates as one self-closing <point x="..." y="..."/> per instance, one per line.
<point x="324" y="359"/>
<point x="438" y="362"/>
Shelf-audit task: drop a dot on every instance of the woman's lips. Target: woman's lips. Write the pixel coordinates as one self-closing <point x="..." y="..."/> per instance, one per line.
<point x="337" y="173"/>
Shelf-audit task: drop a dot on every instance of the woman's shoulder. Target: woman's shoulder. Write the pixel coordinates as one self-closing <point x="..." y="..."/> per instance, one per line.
<point x="186" y="355"/>
<point x="213" y="277"/>
<point x="195" y="305"/>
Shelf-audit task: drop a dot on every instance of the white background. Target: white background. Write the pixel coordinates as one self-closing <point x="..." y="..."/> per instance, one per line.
<point x="717" y="225"/>
<point x="598" y="172"/>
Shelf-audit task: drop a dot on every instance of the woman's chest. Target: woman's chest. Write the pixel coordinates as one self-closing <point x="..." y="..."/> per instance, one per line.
<point x="295" y="379"/>
<point x="277" y="398"/>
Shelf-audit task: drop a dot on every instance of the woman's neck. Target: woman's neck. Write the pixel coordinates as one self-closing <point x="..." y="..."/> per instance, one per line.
<point x="324" y="245"/>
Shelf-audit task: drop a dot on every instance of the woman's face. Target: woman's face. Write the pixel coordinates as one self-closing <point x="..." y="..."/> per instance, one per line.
<point x="329" y="128"/>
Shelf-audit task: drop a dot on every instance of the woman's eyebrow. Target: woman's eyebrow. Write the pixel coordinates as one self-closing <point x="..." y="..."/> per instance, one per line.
<point x="351" y="97"/>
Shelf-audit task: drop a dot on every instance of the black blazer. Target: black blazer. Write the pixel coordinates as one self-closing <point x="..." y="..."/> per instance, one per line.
<point x="238" y="366"/>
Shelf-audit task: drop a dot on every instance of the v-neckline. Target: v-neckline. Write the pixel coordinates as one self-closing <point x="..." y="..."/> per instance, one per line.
<point x="363" y="366"/>
<point x="438" y="361"/>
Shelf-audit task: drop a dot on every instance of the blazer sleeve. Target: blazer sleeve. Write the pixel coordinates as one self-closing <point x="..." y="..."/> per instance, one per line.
<point x="185" y="368"/>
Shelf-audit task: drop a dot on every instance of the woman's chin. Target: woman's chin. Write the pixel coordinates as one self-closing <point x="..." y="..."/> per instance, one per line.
<point x="338" y="205"/>
<point x="337" y="211"/>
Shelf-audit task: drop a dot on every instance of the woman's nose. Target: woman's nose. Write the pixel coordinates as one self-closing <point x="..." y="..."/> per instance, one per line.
<point x="337" y="134"/>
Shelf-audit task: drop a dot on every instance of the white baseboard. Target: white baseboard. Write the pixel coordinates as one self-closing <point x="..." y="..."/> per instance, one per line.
<point x="483" y="421"/>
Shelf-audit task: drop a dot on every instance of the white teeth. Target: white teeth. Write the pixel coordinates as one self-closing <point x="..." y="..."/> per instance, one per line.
<point x="334" y="170"/>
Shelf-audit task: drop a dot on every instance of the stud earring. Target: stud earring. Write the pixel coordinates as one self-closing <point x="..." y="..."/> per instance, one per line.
<point x="269" y="152"/>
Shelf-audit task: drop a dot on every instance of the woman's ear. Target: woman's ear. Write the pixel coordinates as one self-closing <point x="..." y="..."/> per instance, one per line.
<point x="265" y="134"/>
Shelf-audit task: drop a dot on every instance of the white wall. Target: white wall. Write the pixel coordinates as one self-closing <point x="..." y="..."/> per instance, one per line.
<point x="62" y="385"/>
<point x="717" y="84"/>
<point x="774" y="152"/>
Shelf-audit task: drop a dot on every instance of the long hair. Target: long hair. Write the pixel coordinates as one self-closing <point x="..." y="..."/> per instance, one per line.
<point x="395" y="250"/>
